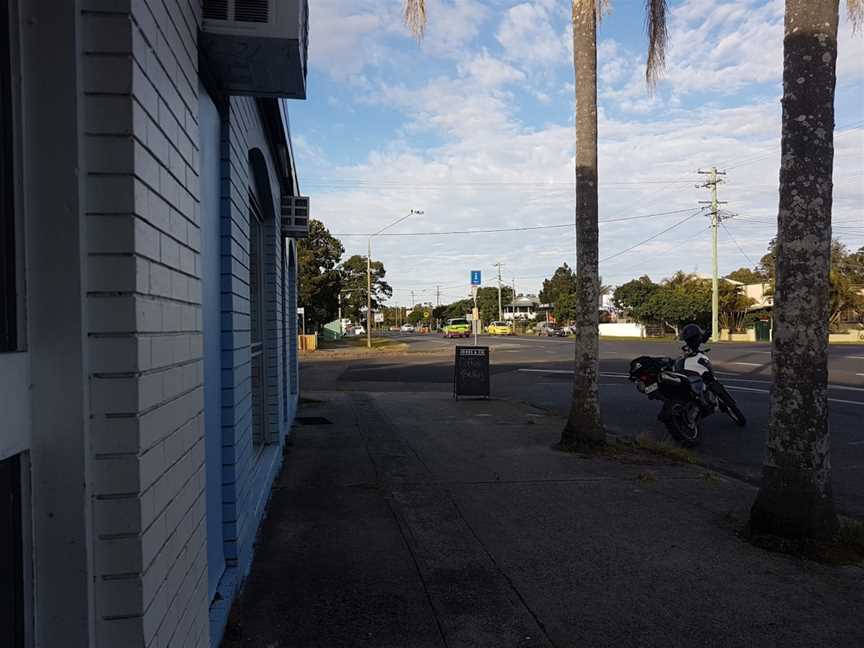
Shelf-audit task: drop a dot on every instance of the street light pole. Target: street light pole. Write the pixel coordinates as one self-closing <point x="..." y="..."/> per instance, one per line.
<point x="369" y="274"/>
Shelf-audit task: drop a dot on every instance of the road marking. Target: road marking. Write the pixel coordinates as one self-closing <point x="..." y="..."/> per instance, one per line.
<point x="844" y="387"/>
<point x="604" y="374"/>
<point x="747" y="389"/>
<point x="855" y="357"/>
<point x="855" y="443"/>
<point x="765" y="391"/>
<point x="859" y="374"/>
<point x="748" y="364"/>
<point x="848" y="402"/>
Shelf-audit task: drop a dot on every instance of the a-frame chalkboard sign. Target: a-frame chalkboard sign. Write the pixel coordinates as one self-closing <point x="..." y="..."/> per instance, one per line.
<point x="471" y="373"/>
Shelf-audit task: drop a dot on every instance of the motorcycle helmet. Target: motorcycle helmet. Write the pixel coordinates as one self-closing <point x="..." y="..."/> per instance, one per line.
<point x="692" y="336"/>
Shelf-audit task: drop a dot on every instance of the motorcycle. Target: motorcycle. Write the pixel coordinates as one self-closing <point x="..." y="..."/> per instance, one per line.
<point x="688" y="389"/>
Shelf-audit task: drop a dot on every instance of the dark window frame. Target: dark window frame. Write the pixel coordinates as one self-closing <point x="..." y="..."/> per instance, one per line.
<point x="8" y="245"/>
<point x="12" y="605"/>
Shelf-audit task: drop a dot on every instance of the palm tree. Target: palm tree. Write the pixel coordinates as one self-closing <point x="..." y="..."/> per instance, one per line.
<point x="584" y="425"/>
<point x="795" y="495"/>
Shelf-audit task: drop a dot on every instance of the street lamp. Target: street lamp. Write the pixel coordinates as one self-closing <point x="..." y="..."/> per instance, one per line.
<point x="369" y="273"/>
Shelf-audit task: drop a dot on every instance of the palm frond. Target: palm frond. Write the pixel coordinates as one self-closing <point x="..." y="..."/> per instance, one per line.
<point x="655" y="23"/>
<point x="415" y="17"/>
<point x="855" y="11"/>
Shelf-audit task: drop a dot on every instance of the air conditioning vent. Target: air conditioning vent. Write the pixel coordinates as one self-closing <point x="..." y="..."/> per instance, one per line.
<point x="295" y="216"/>
<point x="256" y="48"/>
<point x="253" y="11"/>
<point x="215" y="9"/>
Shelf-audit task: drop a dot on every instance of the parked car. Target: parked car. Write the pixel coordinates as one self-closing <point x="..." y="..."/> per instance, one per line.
<point x="550" y="330"/>
<point x="353" y="330"/>
<point x="458" y="327"/>
<point x="407" y="328"/>
<point x="499" y="328"/>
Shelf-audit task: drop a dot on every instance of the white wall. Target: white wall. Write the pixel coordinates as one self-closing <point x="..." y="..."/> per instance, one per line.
<point x="622" y="329"/>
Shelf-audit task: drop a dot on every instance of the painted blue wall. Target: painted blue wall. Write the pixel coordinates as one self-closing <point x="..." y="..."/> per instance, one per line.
<point x="249" y="468"/>
<point x="208" y="123"/>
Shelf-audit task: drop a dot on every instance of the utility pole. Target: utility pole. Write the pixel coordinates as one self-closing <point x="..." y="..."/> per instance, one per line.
<point x="369" y="295"/>
<point x="499" y="265"/>
<point x="712" y="183"/>
<point x="437" y="305"/>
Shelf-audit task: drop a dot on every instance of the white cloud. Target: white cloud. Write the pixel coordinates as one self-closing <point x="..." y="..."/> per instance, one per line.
<point x="489" y="71"/>
<point x="528" y="36"/>
<point x="490" y="164"/>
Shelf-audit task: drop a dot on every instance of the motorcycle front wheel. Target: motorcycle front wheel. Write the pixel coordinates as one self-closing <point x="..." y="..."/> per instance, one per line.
<point x="729" y="406"/>
<point x="683" y="425"/>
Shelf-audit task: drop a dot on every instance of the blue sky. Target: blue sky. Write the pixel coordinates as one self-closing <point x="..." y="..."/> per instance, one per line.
<point x="474" y="126"/>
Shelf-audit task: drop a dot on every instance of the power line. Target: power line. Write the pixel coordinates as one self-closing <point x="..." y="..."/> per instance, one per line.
<point x="401" y="182"/>
<point x="651" y="238"/>
<point x="735" y="241"/>
<point x="519" y="229"/>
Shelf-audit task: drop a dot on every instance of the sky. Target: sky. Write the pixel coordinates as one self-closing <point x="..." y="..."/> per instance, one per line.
<point x="473" y="126"/>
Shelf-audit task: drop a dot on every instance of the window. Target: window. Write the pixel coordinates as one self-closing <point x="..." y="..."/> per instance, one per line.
<point x="256" y="319"/>
<point x="8" y="285"/>
<point x="11" y="555"/>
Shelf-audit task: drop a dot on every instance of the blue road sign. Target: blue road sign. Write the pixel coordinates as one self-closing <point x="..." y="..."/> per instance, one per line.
<point x="475" y="278"/>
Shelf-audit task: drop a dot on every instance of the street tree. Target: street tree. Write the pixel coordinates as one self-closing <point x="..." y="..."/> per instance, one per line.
<point x="747" y="276"/>
<point x="353" y="274"/>
<point x="562" y="282"/>
<point x="633" y="298"/>
<point x="584" y="425"/>
<point x="680" y="300"/>
<point x="734" y="305"/>
<point x="487" y="301"/>
<point x="565" y="308"/>
<point x="795" y="497"/>
<point x="318" y="277"/>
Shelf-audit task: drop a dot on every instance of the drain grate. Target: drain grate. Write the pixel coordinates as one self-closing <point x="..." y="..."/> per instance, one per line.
<point x="313" y="420"/>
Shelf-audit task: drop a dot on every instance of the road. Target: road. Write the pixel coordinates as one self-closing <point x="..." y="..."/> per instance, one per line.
<point x="537" y="370"/>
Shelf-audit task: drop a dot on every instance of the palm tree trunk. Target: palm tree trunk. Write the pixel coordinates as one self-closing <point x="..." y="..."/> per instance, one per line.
<point x="583" y="424"/>
<point x="795" y="496"/>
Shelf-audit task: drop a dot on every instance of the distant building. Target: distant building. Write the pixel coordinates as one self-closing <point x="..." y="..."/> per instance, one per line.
<point x="524" y="307"/>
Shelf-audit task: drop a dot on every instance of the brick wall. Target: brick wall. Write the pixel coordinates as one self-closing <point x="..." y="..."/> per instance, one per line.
<point x="247" y="466"/>
<point x="139" y="72"/>
<point x="139" y="76"/>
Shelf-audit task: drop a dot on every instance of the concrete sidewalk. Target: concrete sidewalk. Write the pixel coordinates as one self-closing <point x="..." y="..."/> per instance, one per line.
<point x="410" y="519"/>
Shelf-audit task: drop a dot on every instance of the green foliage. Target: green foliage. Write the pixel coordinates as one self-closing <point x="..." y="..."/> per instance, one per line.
<point x="487" y="302"/>
<point x="318" y="278"/>
<point x="565" y="308"/>
<point x="733" y="306"/>
<point x="633" y="297"/>
<point x="747" y="276"/>
<point x="847" y="280"/>
<point x="563" y="282"/>
<point x="416" y="316"/>
<point x="353" y="273"/>
<point x="680" y="300"/>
